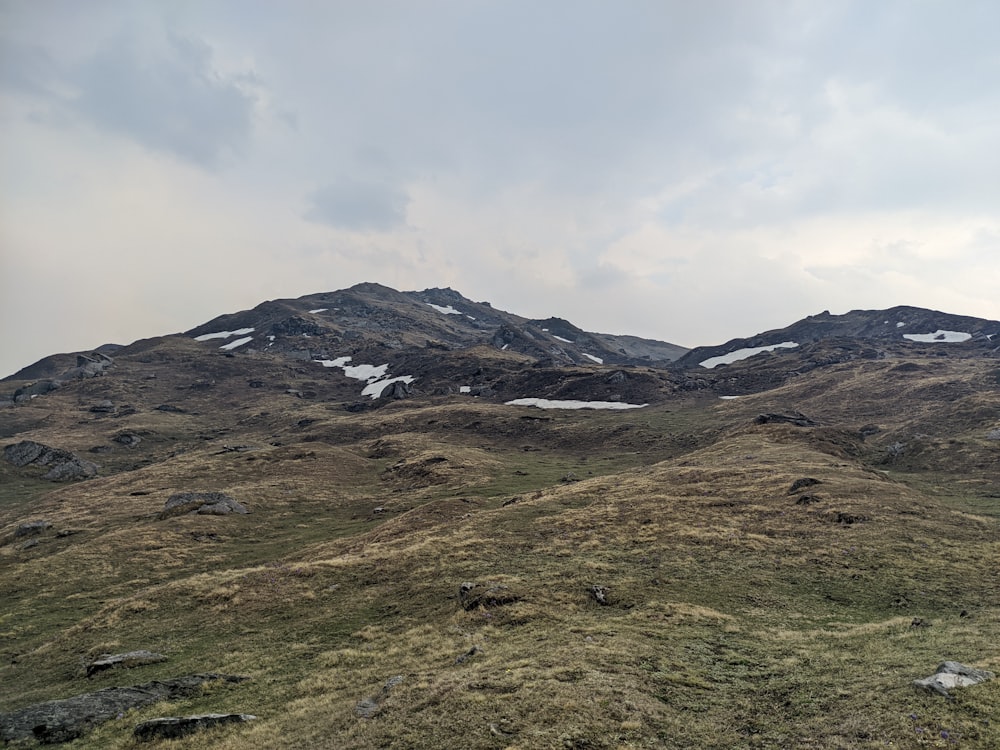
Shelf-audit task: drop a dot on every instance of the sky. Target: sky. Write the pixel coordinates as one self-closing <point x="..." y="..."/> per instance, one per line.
<point x="685" y="171"/>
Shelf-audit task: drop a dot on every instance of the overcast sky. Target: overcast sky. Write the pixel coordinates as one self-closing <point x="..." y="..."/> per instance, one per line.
<point x="687" y="171"/>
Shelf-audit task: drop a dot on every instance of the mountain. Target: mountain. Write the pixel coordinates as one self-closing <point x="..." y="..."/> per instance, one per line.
<point x="371" y="518"/>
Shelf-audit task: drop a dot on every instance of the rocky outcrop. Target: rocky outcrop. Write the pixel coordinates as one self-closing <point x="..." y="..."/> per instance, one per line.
<point x="950" y="675"/>
<point x="202" y="503"/>
<point x="123" y="661"/>
<point x="63" y="465"/>
<point x="486" y="595"/>
<point x="171" y="727"/>
<point x="794" y="418"/>
<point x="65" y="720"/>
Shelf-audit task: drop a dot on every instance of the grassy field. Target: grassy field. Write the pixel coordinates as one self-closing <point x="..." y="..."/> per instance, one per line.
<point x="734" y="616"/>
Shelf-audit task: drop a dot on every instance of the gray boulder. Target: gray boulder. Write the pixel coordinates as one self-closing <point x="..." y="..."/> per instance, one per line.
<point x="487" y="595"/>
<point x="31" y="528"/>
<point x="170" y="727"/>
<point x="950" y="675"/>
<point x="65" y="720"/>
<point x="123" y="661"/>
<point x="202" y="503"/>
<point x="993" y="434"/>
<point x="63" y="465"/>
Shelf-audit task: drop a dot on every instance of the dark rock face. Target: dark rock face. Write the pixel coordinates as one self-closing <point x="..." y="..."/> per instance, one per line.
<point x="65" y="720"/>
<point x="396" y="390"/>
<point x="170" y="727"/>
<point x="31" y="528"/>
<point x="123" y="661"/>
<point x="202" y="503"/>
<point x="63" y="465"/>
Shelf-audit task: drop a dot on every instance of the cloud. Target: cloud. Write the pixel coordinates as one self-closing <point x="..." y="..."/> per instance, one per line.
<point x="358" y="205"/>
<point x="167" y="98"/>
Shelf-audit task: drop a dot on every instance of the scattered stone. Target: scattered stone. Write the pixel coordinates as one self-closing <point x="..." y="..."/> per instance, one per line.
<point x="127" y="439"/>
<point x="30" y="543"/>
<point x="171" y="727"/>
<point x="570" y="477"/>
<point x="950" y="675"/>
<point x="919" y="622"/>
<point x="600" y="595"/>
<point x="896" y="449"/>
<point x="202" y="503"/>
<point x="468" y="655"/>
<point x="63" y="465"/>
<point x="808" y="500"/>
<point x="847" y="518"/>
<point x="868" y="430"/>
<point x="795" y="418"/>
<point x="124" y="661"/>
<point x="802" y="483"/>
<point x="105" y="407"/>
<point x="486" y="595"/>
<point x="367" y="708"/>
<point x="65" y="720"/>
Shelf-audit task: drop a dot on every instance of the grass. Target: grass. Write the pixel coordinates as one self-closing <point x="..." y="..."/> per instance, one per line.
<point x="737" y="618"/>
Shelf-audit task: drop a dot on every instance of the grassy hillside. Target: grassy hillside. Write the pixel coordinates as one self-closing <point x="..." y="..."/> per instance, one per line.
<point x="735" y="615"/>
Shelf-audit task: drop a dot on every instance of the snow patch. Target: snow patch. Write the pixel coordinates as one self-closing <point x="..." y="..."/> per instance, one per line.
<point x="728" y="398"/>
<point x="465" y="389"/>
<point x="898" y="325"/>
<point x="318" y="310"/>
<point x="739" y="354"/>
<point x="562" y="339"/>
<point x="469" y="317"/>
<point x="545" y="403"/>
<point x="374" y="375"/>
<point x="449" y="310"/>
<point x="939" y="336"/>
<point x="238" y="342"/>
<point x="598" y="360"/>
<point x="223" y="334"/>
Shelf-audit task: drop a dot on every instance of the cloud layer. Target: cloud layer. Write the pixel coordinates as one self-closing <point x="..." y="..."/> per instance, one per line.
<point x="685" y="171"/>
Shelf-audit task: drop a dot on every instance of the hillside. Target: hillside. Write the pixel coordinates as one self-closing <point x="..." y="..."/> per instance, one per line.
<point x="654" y="573"/>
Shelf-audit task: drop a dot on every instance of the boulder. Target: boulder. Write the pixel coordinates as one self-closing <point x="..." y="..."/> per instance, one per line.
<point x="170" y="727"/>
<point x="950" y="675"/>
<point x="202" y="503"/>
<point x="63" y="465"/>
<point x="123" y="661"/>
<point x="802" y="483"/>
<point x="396" y="390"/>
<point x="65" y="720"/>
<point x="31" y="528"/>
<point x="104" y="407"/>
<point x="993" y="434"/>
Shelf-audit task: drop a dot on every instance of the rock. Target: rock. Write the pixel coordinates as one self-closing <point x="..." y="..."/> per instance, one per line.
<point x="31" y="528"/>
<point x="993" y="434"/>
<point x="170" y="408"/>
<point x="950" y="675"/>
<point x="795" y="418"/>
<point x="807" y="500"/>
<point x="600" y="595"/>
<point x="896" y="449"/>
<point x="616" y="378"/>
<point x="802" y="483"/>
<point x="468" y="655"/>
<point x="202" y="503"/>
<point x="64" y="720"/>
<point x="847" y="518"/>
<point x="868" y="430"/>
<point x="105" y="407"/>
<point x="397" y="390"/>
<point x="486" y="595"/>
<point x="368" y="707"/>
<point x="64" y="466"/>
<point x="170" y="727"/>
<point x="124" y="661"/>
<point x="27" y="392"/>
<point x="127" y="439"/>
